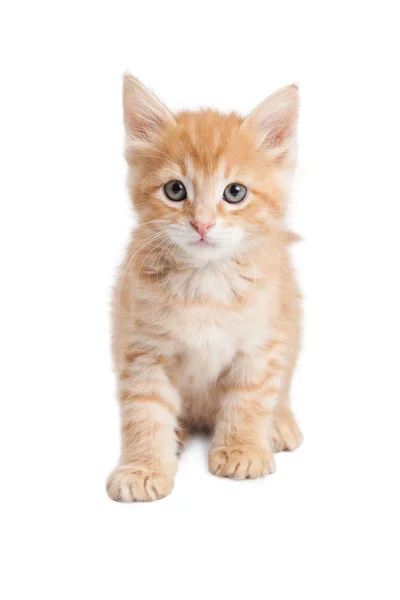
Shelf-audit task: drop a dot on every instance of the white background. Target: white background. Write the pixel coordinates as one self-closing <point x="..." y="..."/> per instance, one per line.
<point x="326" y="525"/>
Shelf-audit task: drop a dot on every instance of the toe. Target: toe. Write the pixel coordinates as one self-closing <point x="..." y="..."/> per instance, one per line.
<point x="285" y="435"/>
<point x="247" y="462"/>
<point x="130" y="483"/>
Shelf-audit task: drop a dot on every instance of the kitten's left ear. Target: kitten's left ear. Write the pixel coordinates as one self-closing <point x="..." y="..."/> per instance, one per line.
<point x="274" y="122"/>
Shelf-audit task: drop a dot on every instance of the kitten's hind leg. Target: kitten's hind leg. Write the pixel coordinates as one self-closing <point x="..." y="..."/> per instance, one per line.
<point x="285" y="434"/>
<point x="182" y="435"/>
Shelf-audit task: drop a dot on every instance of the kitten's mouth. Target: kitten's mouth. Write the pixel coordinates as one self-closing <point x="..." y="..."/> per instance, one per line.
<point x="203" y="242"/>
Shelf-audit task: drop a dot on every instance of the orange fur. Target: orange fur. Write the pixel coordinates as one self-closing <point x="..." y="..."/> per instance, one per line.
<point x="206" y="333"/>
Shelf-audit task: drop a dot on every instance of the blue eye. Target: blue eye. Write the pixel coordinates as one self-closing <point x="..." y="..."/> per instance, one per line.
<point x="175" y="190"/>
<point x="235" y="193"/>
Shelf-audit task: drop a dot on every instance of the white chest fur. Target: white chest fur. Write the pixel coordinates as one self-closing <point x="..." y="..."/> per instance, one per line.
<point x="211" y="329"/>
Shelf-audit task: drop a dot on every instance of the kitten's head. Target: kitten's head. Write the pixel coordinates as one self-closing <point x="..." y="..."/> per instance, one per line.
<point x="209" y="183"/>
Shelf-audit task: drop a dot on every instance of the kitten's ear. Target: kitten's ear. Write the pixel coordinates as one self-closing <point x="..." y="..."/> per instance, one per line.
<point x="274" y="122"/>
<point x="144" y="115"/>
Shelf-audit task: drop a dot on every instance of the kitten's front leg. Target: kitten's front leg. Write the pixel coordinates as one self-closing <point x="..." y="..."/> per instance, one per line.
<point x="149" y="408"/>
<point x="248" y="393"/>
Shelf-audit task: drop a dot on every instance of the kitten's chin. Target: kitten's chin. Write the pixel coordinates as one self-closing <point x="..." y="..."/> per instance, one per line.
<point x="207" y="251"/>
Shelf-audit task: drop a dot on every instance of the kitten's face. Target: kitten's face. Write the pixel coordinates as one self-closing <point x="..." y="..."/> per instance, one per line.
<point x="208" y="183"/>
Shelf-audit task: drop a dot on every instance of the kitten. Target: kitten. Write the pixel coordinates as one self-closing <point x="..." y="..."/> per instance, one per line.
<point x="207" y="311"/>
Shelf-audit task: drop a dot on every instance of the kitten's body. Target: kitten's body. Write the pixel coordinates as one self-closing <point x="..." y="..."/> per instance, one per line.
<point x="204" y="336"/>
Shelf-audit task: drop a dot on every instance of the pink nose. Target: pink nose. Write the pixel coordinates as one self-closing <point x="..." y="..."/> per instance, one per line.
<point x="201" y="227"/>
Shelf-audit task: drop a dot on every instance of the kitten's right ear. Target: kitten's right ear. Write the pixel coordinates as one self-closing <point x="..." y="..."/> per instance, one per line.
<point x="144" y="115"/>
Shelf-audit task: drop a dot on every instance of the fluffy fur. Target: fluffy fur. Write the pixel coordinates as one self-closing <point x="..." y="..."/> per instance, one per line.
<point x="206" y="334"/>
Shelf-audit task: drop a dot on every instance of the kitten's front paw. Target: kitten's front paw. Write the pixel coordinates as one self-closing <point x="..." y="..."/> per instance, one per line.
<point x="131" y="483"/>
<point x="285" y="434"/>
<point x="241" y="462"/>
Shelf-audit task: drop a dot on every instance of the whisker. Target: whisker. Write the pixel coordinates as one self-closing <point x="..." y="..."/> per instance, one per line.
<point x="131" y="258"/>
<point x="143" y="261"/>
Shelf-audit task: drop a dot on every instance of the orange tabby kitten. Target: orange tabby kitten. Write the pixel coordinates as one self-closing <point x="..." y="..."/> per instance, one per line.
<point x="206" y="317"/>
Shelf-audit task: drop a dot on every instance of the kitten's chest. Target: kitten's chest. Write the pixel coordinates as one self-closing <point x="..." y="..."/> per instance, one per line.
<point x="218" y="315"/>
<point x="208" y="339"/>
<point x="206" y="344"/>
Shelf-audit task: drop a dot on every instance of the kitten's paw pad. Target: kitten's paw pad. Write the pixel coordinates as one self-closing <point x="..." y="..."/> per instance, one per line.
<point x="241" y="462"/>
<point x="130" y="483"/>
<point x="285" y="434"/>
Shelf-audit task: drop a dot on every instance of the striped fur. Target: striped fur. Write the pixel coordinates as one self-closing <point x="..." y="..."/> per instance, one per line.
<point x="205" y="336"/>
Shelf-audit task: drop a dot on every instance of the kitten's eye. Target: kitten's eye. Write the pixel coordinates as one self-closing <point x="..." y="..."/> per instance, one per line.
<point x="235" y="193"/>
<point x="175" y="190"/>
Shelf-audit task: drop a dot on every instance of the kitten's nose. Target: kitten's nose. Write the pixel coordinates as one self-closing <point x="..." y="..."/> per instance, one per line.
<point x="201" y="227"/>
